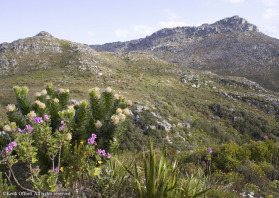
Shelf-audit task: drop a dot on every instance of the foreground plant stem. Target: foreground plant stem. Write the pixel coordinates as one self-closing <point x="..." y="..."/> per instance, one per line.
<point x="11" y="171"/>
<point x="59" y="156"/>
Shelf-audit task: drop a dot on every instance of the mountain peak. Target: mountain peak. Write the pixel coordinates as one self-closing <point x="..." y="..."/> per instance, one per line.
<point x="237" y="23"/>
<point x="44" y="33"/>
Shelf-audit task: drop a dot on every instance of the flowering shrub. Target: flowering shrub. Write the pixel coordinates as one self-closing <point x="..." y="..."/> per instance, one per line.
<point x="58" y="142"/>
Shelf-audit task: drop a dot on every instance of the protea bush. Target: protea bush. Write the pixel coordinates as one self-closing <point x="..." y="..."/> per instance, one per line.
<point x="58" y="142"/>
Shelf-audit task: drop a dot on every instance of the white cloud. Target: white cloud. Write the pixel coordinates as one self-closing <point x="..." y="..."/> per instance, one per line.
<point x="170" y="14"/>
<point x="171" y="24"/>
<point x="270" y="2"/>
<point x="235" y="1"/>
<point x="271" y="13"/>
<point x="134" y="32"/>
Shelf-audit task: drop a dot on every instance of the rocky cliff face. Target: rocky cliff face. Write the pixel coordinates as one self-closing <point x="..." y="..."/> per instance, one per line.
<point x="231" y="46"/>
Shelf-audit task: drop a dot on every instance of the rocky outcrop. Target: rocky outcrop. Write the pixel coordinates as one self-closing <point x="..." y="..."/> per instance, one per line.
<point x="44" y="51"/>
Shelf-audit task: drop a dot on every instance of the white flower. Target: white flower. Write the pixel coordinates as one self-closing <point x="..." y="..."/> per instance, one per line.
<point x="98" y="96"/>
<point x="71" y="107"/>
<point x="126" y="111"/>
<point x="116" y="97"/>
<point x="67" y="90"/>
<point x="98" y="124"/>
<point x="10" y="107"/>
<point x="31" y="114"/>
<point x="55" y="100"/>
<point x="37" y="94"/>
<point x="7" y="128"/>
<point x="118" y="111"/>
<point x="108" y="90"/>
<point x="129" y="102"/>
<point x="61" y="90"/>
<point x="122" y="117"/>
<point x="47" y="97"/>
<point x="96" y="89"/>
<point x="44" y="92"/>
<point x="115" y="119"/>
<point x="42" y="105"/>
<point x="69" y="136"/>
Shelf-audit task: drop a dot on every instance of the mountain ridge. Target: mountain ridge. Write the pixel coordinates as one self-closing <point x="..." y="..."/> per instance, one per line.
<point x="231" y="46"/>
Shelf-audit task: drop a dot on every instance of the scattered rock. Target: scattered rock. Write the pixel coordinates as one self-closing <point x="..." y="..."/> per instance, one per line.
<point x="137" y="118"/>
<point x="156" y="115"/>
<point x="167" y="126"/>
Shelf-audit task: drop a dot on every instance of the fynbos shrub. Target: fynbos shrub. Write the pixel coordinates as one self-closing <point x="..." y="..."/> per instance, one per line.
<point x="59" y="142"/>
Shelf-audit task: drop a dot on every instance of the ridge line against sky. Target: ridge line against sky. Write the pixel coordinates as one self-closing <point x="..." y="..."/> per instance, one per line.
<point x="99" y="22"/>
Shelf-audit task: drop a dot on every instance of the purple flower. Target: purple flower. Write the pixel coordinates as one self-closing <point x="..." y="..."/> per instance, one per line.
<point x="108" y="155"/>
<point x="29" y="128"/>
<point x="37" y="168"/>
<point x="265" y="137"/>
<point x="209" y="150"/>
<point x="8" y="149"/>
<point x="94" y="136"/>
<point x="56" y="169"/>
<point x="21" y="130"/>
<point x="62" y="122"/>
<point x="61" y="128"/>
<point x="100" y="151"/>
<point x="13" y="144"/>
<point x="46" y="117"/>
<point x="38" y="120"/>
<point x="103" y="152"/>
<point x="90" y="141"/>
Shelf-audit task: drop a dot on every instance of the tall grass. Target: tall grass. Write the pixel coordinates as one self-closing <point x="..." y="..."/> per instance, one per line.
<point x="162" y="179"/>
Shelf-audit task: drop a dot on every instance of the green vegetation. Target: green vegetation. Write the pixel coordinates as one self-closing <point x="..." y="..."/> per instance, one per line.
<point x="234" y="127"/>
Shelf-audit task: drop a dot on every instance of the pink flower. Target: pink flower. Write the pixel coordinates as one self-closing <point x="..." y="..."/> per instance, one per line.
<point x="61" y="128"/>
<point x="8" y="149"/>
<point x="21" y="130"/>
<point x="13" y="144"/>
<point x="38" y="120"/>
<point x="56" y="169"/>
<point x="62" y="122"/>
<point x="94" y="136"/>
<point x="108" y="155"/>
<point x="209" y="150"/>
<point x="265" y="137"/>
<point x="103" y="152"/>
<point x="46" y="117"/>
<point x="100" y="151"/>
<point x="91" y="141"/>
<point x="29" y="128"/>
<point x="37" y="168"/>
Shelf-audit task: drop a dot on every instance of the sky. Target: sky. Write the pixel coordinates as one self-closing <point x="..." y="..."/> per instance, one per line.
<point x="103" y="21"/>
